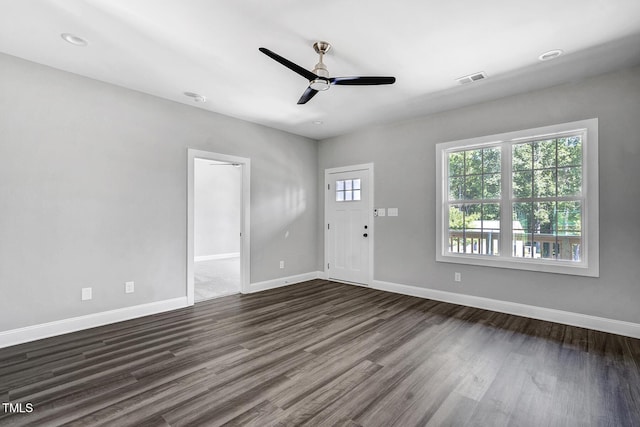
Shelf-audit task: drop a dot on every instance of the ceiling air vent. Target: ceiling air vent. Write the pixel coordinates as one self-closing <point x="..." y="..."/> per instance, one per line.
<point x="472" y="78"/>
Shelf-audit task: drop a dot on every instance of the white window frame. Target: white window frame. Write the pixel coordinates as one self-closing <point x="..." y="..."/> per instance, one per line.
<point x="589" y="264"/>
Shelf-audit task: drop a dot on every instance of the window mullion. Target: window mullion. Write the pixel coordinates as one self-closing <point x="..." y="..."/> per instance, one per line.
<point x="506" y="224"/>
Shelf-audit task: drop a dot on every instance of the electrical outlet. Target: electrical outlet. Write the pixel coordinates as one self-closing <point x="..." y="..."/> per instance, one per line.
<point x="457" y="277"/>
<point x="86" y="294"/>
<point x="281" y="264"/>
<point x="129" y="287"/>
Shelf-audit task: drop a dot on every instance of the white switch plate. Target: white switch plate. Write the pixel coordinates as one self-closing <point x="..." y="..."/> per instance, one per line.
<point x="281" y="264"/>
<point x="86" y="294"/>
<point x="457" y="277"/>
<point x="393" y="211"/>
<point x="129" y="287"/>
<point x="382" y="212"/>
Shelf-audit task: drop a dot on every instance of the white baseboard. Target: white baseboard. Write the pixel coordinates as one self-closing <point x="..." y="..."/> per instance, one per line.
<point x="64" y="326"/>
<point x="283" y="281"/>
<point x="46" y="330"/>
<point x="59" y="327"/>
<point x="217" y="256"/>
<point x="565" y="317"/>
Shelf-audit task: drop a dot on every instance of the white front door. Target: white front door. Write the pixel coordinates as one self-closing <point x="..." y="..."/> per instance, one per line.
<point x="349" y="225"/>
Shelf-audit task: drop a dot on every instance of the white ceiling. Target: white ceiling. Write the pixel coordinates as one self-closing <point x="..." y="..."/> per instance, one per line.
<point x="167" y="47"/>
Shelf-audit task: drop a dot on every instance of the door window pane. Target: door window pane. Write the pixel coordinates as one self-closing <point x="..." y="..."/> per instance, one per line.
<point x="348" y="190"/>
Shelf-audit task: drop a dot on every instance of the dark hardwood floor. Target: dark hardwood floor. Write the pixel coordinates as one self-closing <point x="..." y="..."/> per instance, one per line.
<point x="323" y="353"/>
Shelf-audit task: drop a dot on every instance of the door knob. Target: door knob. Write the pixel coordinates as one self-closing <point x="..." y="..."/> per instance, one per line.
<point x="365" y="235"/>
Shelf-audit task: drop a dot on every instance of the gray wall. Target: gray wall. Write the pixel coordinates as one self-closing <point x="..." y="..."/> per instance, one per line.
<point x="93" y="192"/>
<point x="404" y="152"/>
<point x="217" y="208"/>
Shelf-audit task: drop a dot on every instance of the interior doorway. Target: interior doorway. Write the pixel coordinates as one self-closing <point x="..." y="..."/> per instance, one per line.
<point x="218" y="238"/>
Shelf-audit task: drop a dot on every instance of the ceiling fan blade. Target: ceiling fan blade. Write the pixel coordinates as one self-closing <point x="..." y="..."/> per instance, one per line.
<point x="290" y="65"/>
<point x="362" y="81"/>
<point x="307" y="95"/>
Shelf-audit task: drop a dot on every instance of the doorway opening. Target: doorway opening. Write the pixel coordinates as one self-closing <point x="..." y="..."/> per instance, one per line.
<point x="218" y="223"/>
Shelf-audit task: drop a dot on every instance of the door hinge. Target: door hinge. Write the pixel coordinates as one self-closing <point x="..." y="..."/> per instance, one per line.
<point x="328" y="266"/>
<point x="328" y="226"/>
<point x="328" y="186"/>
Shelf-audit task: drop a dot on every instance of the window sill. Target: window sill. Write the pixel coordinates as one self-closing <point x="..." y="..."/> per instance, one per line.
<point x="555" y="267"/>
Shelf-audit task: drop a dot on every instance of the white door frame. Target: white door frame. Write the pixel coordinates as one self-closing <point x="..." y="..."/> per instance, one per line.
<point x="245" y="209"/>
<point x="327" y="172"/>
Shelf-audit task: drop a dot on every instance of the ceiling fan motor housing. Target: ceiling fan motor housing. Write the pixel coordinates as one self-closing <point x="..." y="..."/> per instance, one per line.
<point x="320" y="84"/>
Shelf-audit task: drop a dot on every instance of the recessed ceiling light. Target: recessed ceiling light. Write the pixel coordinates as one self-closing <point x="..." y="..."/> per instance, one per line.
<point x="317" y="122"/>
<point x="74" y="40"/>
<point x="196" y="97"/>
<point x="552" y="54"/>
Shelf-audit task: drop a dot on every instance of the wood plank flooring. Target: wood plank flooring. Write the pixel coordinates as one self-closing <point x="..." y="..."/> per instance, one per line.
<point x="323" y="353"/>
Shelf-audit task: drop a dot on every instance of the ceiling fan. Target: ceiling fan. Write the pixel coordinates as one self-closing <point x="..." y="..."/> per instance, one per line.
<point x="319" y="79"/>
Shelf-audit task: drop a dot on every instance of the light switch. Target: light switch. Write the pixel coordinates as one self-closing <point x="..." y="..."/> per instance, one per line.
<point x="382" y="211"/>
<point x="393" y="211"/>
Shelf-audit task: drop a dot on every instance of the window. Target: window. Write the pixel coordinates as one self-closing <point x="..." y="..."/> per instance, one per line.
<point x="547" y="200"/>
<point x="348" y="190"/>
<point x="525" y="200"/>
<point x="474" y="178"/>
